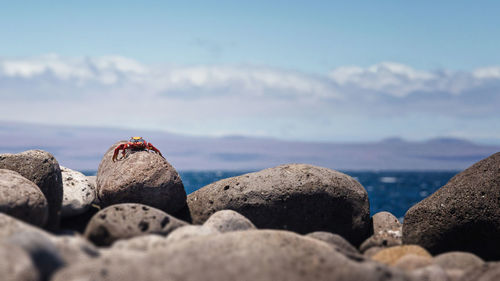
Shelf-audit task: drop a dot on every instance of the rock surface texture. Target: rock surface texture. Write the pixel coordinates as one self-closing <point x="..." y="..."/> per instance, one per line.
<point x="22" y="199"/>
<point x="238" y="255"/>
<point x="228" y="220"/>
<point x="43" y="169"/>
<point x="78" y="193"/>
<point x="123" y="221"/>
<point x="297" y="197"/>
<point x="463" y="215"/>
<point x="387" y="232"/>
<point x="140" y="177"/>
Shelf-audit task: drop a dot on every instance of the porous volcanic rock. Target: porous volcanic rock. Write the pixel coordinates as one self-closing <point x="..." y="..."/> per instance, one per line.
<point x="22" y="199"/>
<point x="140" y="177"/>
<point x="237" y="255"/>
<point x="16" y="264"/>
<point x="463" y="215"/>
<point x="297" y="197"/>
<point x="43" y="169"/>
<point x="387" y="232"/>
<point x="78" y="193"/>
<point x="123" y="221"/>
<point x="228" y="220"/>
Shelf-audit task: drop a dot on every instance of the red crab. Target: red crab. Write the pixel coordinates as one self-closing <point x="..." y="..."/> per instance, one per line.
<point x="135" y="143"/>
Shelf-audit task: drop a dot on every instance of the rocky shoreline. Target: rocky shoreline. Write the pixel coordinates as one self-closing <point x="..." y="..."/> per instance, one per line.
<point x="134" y="221"/>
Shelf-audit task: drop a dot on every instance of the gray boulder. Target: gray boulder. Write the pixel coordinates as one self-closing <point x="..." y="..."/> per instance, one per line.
<point x="78" y="193"/>
<point x="43" y="169"/>
<point x="387" y="232"/>
<point x="190" y="231"/>
<point x="238" y="255"/>
<point x="16" y="264"/>
<point x="140" y="177"/>
<point x="297" y="197"/>
<point x="457" y="260"/>
<point x="22" y="199"/>
<point x="123" y="221"/>
<point x="228" y="220"/>
<point x="463" y="215"/>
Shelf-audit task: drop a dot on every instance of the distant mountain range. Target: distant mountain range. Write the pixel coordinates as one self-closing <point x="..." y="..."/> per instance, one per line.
<point x="82" y="148"/>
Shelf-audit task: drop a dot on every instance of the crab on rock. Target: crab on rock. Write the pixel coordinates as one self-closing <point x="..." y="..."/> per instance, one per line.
<point x="135" y="143"/>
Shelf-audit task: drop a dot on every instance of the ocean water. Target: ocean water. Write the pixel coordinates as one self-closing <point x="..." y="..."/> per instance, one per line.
<point x="394" y="192"/>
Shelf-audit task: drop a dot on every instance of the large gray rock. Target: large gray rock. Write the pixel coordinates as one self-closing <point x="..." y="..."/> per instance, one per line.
<point x="22" y="199"/>
<point x="43" y="169"/>
<point x="16" y="264"/>
<point x="296" y="197"/>
<point x="78" y="193"/>
<point x="123" y="221"/>
<point x="238" y="255"/>
<point x="463" y="215"/>
<point x="140" y="177"/>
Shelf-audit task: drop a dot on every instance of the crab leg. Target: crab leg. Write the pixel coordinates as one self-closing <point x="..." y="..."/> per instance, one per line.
<point x="151" y="147"/>
<point x="122" y="146"/>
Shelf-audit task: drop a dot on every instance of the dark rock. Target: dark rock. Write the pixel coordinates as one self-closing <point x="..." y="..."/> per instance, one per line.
<point x="124" y="221"/>
<point x="16" y="264"/>
<point x="387" y="232"/>
<point x="238" y="255"/>
<point x="297" y="197"/>
<point x="43" y="169"/>
<point x="78" y="193"/>
<point x="457" y="260"/>
<point x="463" y="215"/>
<point x="140" y="177"/>
<point x="42" y="251"/>
<point x="228" y="220"/>
<point x="78" y="223"/>
<point x="336" y="240"/>
<point x="22" y="199"/>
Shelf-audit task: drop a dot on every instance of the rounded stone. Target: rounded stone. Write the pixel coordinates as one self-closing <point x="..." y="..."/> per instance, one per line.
<point x="237" y="255"/>
<point x="22" y="199"/>
<point x="41" y="168"/>
<point x="431" y="273"/>
<point x="123" y="221"/>
<point x="463" y="215"/>
<point x="228" y="220"/>
<point x="142" y="243"/>
<point x="78" y="193"/>
<point x="457" y="260"/>
<point x="387" y="232"/>
<point x="190" y="231"/>
<point x="411" y="262"/>
<point x="489" y="271"/>
<point x="390" y="256"/>
<point x="141" y="177"/>
<point x="16" y="264"/>
<point x="336" y="240"/>
<point x="297" y="197"/>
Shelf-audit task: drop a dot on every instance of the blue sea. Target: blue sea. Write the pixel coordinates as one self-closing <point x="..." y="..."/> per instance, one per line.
<point x="394" y="192"/>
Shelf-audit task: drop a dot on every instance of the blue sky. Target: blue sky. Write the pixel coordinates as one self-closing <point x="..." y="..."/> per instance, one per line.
<point x="302" y="70"/>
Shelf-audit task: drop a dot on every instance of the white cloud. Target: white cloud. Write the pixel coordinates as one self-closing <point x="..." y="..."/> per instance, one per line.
<point x="209" y="99"/>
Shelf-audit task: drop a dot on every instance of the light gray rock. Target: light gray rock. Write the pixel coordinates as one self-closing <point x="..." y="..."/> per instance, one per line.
<point x="228" y="220"/>
<point x="141" y="177"/>
<point x="237" y="255"/>
<point x="387" y="232"/>
<point x="74" y="248"/>
<point x="142" y="243"/>
<point x="457" y="260"/>
<point x="123" y="221"/>
<point x="16" y="264"/>
<point x="430" y="273"/>
<point x="78" y="193"/>
<point x="22" y="199"/>
<point x="41" y="168"/>
<point x="463" y="215"/>
<point x="412" y="262"/>
<point x="190" y="231"/>
<point x="10" y="226"/>
<point x="338" y="241"/>
<point x="489" y="271"/>
<point x="297" y="197"/>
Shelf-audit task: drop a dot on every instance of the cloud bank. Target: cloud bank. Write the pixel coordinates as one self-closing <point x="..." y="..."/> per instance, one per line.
<point x="348" y="103"/>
